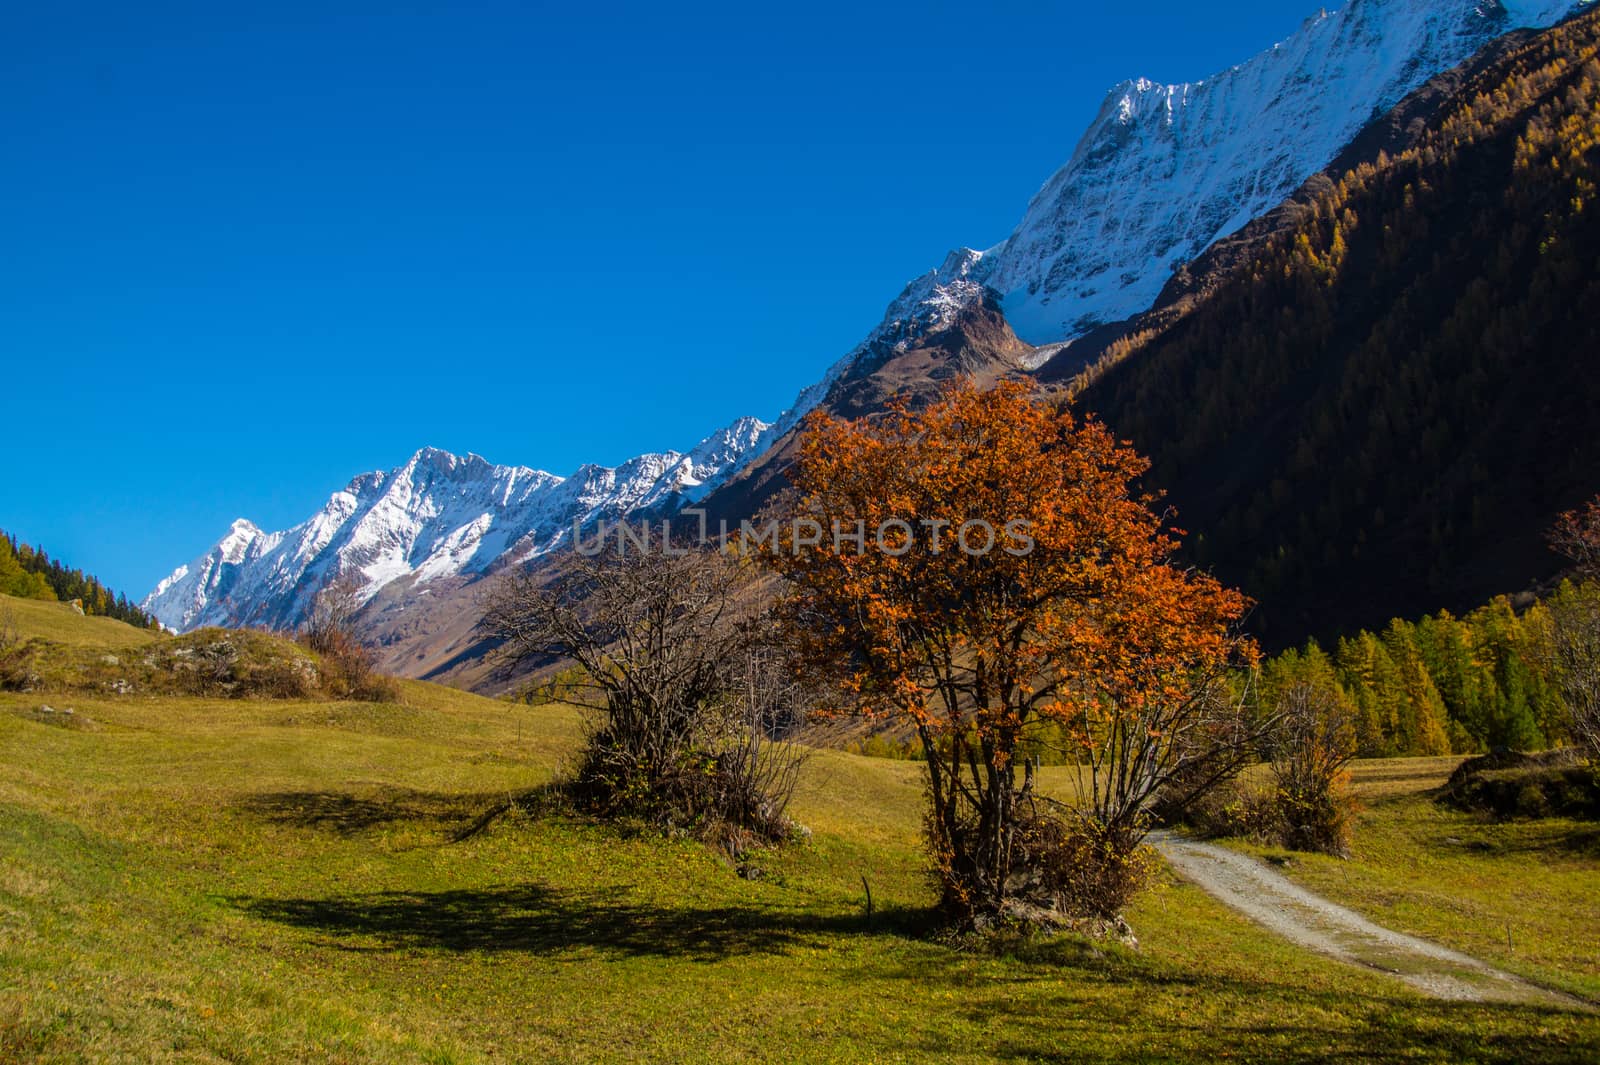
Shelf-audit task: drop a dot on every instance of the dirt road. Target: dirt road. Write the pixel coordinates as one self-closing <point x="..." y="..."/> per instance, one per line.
<point x="1274" y="901"/>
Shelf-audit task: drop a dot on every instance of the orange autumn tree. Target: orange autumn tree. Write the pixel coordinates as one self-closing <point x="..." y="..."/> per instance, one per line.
<point x="987" y="571"/>
<point x="1576" y="534"/>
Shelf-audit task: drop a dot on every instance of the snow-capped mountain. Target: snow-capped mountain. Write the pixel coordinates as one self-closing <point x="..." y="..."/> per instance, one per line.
<point x="438" y="515"/>
<point x="1164" y="171"/>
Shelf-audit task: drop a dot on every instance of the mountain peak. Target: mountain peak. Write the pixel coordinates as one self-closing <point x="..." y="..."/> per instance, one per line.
<point x="1164" y="171"/>
<point x="436" y="516"/>
<point x="436" y="458"/>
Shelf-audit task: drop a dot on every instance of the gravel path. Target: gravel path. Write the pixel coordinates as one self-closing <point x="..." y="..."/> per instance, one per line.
<point x="1271" y="899"/>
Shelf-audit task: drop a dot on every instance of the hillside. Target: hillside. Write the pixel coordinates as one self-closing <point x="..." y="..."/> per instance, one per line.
<point x="1289" y="389"/>
<point x="1382" y="411"/>
<point x="60" y="623"/>
<point x="193" y="879"/>
<point x="28" y="572"/>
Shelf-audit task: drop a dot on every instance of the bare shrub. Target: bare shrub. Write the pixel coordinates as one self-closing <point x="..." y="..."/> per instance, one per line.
<point x="1571" y="649"/>
<point x="348" y="672"/>
<point x="1237" y="809"/>
<point x="685" y="694"/>
<point x="760" y="765"/>
<point x="328" y="622"/>
<point x="1315" y="744"/>
<point x="348" y="669"/>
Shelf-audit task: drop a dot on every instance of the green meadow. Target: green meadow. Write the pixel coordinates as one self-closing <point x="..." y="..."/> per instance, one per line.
<point x="210" y="880"/>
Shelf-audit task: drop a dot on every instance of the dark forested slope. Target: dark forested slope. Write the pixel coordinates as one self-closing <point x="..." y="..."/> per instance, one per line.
<point x="1381" y="411"/>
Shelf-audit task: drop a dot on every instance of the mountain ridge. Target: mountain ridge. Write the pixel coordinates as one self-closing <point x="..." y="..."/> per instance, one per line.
<point x="436" y="515"/>
<point x="1049" y="251"/>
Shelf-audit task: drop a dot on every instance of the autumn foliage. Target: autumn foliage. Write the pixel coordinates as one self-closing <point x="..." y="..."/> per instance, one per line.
<point x="1576" y="534"/>
<point x="1090" y="636"/>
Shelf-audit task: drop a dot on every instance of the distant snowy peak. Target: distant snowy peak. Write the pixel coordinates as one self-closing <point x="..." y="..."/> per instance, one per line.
<point x="1166" y="170"/>
<point x="437" y="515"/>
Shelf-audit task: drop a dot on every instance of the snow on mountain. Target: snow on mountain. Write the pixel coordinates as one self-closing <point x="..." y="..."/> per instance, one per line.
<point x="1164" y="171"/>
<point x="438" y="515"/>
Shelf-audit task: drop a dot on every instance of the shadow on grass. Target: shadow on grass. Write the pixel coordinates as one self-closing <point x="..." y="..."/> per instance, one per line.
<point x="1045" y="1024"/>
<point x="539" y="920"/>
<point x="1069" y="1000"/>
<point x="1533" y="839"/>
<point x="1062" y="999"/>
<point x="351" y="814"/>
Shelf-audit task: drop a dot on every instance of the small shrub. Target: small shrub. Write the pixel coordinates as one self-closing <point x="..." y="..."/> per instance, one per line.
<point x="1511" y="785"/>
<point x="1317" y="820"/>
<point x="732" y="792"/>
<point x="348" y="671"/>
<point x="1236" y="809"/>
<point x="16" y="657"/>
<point x="689" y="695"/>
<point x="1317" y="740"/>
<point x="1095" y="870"/>
<point x="1066" y="868"/>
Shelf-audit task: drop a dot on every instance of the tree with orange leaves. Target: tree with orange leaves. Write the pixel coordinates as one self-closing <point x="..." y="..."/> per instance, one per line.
<point x="1576" y="534"/>
<point x="986" y="570"/>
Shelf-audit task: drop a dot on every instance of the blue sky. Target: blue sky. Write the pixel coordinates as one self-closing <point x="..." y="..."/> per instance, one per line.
<point x="251" y="253"/>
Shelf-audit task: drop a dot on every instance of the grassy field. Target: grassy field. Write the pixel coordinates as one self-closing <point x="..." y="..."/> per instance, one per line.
<point x="1522" y="895"/>
<point x="214" y="880"/>
<point x="60" y="623"/>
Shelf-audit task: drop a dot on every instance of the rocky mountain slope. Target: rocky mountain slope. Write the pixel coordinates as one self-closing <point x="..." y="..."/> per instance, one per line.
<point x="1166" y="170"/>
<point x="438" y="516"/>
<point x="1164" y="173"/>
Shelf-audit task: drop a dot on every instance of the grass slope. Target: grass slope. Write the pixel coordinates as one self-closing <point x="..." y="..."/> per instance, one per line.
<point x="60" y="623"/>
<point x="202" y="880"/>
